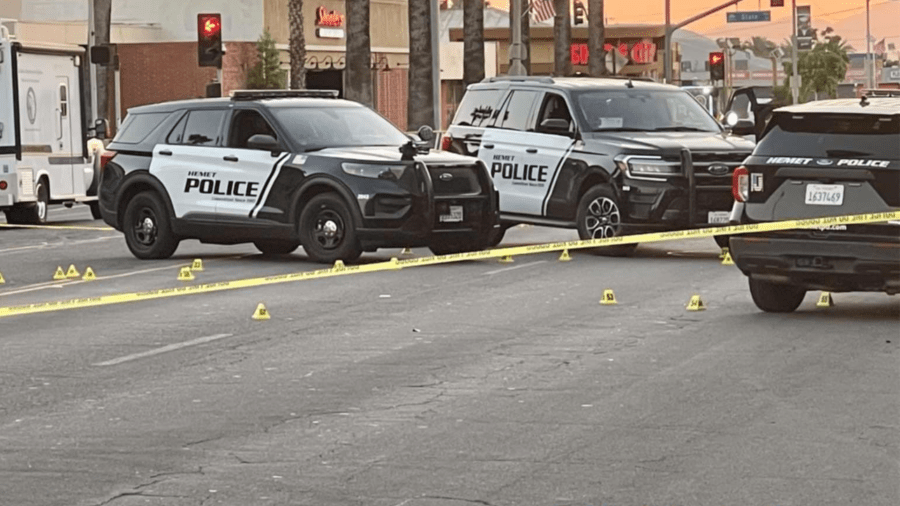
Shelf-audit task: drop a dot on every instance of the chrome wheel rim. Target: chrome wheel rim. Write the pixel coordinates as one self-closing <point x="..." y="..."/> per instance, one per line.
<point x="145" y="227"/>
<point x="329" y="229"/>
<point x="603" y="219"/>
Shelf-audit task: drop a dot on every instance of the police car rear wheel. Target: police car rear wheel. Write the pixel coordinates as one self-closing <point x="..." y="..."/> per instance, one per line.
<point x="275" y="247"/>
<point x="148" y="233"/>
<point x="600" y="217"/>
<point x="327" y="232"/>
<point x="775" y="298"/>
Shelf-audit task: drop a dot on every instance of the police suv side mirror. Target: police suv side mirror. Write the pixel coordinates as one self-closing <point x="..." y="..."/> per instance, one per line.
<point x="263" y="142"/>
<point x="426" y="134"/>
<point x="556" y="126"/>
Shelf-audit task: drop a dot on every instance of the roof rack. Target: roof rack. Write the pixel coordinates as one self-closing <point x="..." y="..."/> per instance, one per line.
<point x="266" y="94"/>
<point x="532" y="79"/>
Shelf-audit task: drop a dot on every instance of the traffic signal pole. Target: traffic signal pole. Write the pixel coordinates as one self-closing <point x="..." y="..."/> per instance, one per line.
<point x="670" y="29"/>
<point x="795" y="77"/>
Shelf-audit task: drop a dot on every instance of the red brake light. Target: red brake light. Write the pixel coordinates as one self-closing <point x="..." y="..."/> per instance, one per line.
<point x="105" y="157"/>
<point x="445" y="142"/>
<point x="740" y="184"/>
<point x="3" y="185"/>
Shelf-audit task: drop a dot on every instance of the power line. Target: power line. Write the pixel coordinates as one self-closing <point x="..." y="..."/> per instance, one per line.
<point x="787" y="21"/>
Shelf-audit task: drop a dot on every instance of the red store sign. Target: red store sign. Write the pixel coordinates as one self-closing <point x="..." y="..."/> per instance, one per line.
<point x="639" y="52"/>
<point x="331" y="19"/>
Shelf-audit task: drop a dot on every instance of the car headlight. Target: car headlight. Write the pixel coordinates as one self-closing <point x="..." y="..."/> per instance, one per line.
<point x="639" y="167"/>
<point x="392" y="172"/>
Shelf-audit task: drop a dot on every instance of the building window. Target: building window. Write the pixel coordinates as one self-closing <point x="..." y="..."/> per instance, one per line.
<point x="741" y="64"/>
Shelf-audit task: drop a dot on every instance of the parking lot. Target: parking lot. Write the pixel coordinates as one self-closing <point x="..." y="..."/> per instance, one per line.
<point x="476" y="382"/>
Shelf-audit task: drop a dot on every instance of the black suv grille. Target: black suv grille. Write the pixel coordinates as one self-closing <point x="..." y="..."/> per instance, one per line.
<point x="455" y="179"/>
<point x="714" y="168"/>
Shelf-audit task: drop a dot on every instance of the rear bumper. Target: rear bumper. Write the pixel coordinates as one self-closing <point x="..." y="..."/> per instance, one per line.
<point x="838" y="266"/>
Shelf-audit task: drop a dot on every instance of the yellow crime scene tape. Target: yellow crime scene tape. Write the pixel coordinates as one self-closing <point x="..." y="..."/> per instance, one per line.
<point x="394" y="264"/>
<point x="58" y="227"/>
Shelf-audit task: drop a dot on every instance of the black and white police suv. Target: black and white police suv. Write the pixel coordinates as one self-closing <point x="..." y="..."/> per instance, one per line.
<point x="604" y="156"/>
<point x="287" y="168"/>
<point x="826" y="158"/>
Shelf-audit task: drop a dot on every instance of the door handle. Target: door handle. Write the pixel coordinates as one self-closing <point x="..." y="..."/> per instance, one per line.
<point x="531" y="150"/>
<point x="487" y="146"/>
<point x="230" y="158"/>
<point x="166" y="152"/>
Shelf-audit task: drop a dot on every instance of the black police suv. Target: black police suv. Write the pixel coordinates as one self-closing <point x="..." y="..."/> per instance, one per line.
<point x="287" y="168"/>
<point x="826" y="158"/>
<point x="603" y="156"/>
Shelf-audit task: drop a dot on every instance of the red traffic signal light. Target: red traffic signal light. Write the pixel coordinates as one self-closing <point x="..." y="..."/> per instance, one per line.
<point x="716" y="65"/>
<point x="209" y="40"/>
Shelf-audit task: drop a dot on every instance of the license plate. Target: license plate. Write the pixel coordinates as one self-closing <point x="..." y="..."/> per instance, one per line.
<point x="718" y="217"/>
<point x="456" y="214"/>
<point x="824" y="194"/>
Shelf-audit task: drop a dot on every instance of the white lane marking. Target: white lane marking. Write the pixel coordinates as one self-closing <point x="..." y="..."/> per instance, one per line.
<point x="164" y="349"/>
<point x="529" y="264"/>
<point x="48" y="245"/>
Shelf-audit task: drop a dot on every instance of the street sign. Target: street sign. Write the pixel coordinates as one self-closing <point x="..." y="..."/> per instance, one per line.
<point x="748" y="16"/>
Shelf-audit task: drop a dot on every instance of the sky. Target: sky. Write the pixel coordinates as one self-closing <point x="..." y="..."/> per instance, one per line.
<point x="849" y="16"/>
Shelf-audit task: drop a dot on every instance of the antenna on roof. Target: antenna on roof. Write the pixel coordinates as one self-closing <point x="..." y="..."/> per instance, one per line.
<point x="629" y="83"/>
<point x="864" y="101"/>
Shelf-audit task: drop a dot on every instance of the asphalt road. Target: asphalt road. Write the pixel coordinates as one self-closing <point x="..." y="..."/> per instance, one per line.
<point x="471" y="383"/>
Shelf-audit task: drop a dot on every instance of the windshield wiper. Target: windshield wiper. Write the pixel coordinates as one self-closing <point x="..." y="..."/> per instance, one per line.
<point x="680" y="129"/>
<point x="846" y="152"/>
<point x="621" y="129"/>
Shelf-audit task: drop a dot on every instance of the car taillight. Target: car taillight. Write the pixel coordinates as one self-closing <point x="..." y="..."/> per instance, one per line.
<point x="740" y="184"/>
<point x="105" y="158"/>
<point x="445" y="142"/>
<point x="3" y="185"/>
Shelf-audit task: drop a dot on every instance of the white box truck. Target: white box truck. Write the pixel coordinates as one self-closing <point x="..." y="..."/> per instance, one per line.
<point x="44" y="157"/>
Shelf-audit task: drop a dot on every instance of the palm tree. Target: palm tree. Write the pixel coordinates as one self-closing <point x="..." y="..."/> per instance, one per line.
<point x="562" y="39"/>
<point x="297" y="45"/>
<point x="596" y="38"/>
<point x="420" y="104"/>
<point x="358" y="81"/>
<point x="473" y="41"/>
<point x="761" y="47"/>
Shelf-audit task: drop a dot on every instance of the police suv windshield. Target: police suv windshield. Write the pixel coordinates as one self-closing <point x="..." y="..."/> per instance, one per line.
<point x="639" y="110"/>
<point x="330" y="127"/>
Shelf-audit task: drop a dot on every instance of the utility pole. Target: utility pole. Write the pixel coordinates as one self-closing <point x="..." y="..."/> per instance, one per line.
<point x="870" y="59"/>
<point x="516" y="48"/>
<point x="436" y="63"/>
<point x="795" y="76"/>
<point x="93" y="68"/>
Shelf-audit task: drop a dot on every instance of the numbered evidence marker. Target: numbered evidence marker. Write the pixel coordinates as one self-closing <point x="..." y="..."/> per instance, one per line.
<point x="609" y="298"/>
<point x="197" y="265"/>
<point x="2" y="281"/>
<point x="825" y="300"/>
<point x="60" y="273"/>
<point x="726" y="259"/>
<point x="89" y="274"/>
<point x="185" y="274"/>
<point x="73" y="272"/>
<point x="565" y="257"/>
<point x="261" y="312"/>
<point x="696" y="304"/>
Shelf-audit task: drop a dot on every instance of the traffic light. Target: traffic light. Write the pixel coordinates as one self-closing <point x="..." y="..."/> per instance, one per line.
<point x="579" y="12"/>
<point x="716" y="66"/>
<point x="209" y="40"/>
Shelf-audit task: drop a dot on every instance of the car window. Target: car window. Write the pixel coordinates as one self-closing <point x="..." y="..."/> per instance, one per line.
<point x="328" y="127"/>
<point x="832" y="136"/>
<point x="138" y="126"/>
<point x="554" y="107"/>
<point x="518" y="110"/>
<point x="478" y="107"/>
<point x="177" y="133"/>
<point x="643" y="110"/>
<point x="246" y="124"/>
<point x="203" y="127"/>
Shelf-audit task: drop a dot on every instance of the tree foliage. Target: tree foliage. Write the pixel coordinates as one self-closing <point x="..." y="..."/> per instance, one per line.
<point x="823" y="67"/>
<point x="267" y="74"/>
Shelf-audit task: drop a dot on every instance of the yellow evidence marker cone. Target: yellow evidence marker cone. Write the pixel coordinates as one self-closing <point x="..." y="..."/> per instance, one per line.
<point x="725" y="251"/>
<point x="72" y="272"/>
<point x="508" y="259"/>
<point x="564" y="257"/>
<point x="339" y="265"/>
<point x="696" y="304"/>
<point x="825" y="300"/>
<point x="60" y="273"/>
<point x="406" y="252"/>
<point x="609" y="298"/>
<point x="261" y="312"/>
<point x="2" y="281"/>
<point x="89" y="274"/>
<point x="197" y="265"/>
<point x="185" y="274"/>
<point x="727" y="260"/>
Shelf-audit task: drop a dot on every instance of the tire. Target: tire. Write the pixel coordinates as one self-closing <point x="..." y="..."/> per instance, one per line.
<point x="495" y="236"/>
<point x="599" y="216"/>
<point x="775" y="298"/>
<point x="722" y="240"/>
<point x="276" y="247"/>
<point x="460" y="243"/>
<point x="327" y="232"/>
<point x="95" y="210"/>
<point x="148" y="230"/>
<point x="33" y="213"/>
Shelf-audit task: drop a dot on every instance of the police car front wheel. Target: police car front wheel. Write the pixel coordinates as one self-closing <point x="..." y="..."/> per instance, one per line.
<point x="327" y="232"/>
<point x="600" y="217"/>
<point x="148" y="232"/>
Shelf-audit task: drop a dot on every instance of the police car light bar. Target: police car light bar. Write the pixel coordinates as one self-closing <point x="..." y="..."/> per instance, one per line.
<point x="264" y="94"/>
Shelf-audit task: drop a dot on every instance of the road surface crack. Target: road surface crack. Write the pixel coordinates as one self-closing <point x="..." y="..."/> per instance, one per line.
<point x="462" y="499"/>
